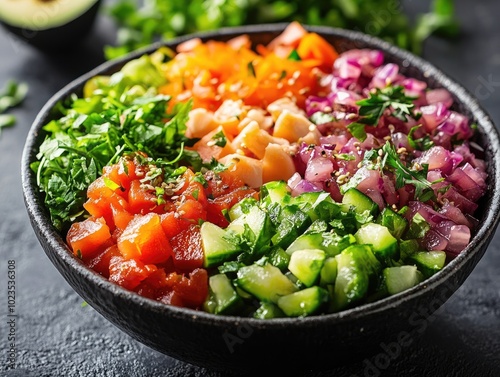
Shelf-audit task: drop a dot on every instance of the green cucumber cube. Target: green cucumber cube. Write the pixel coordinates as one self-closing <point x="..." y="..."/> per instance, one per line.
<point x="268" y="310"/>
<point x="226" y="298"/>
<point x="429" y="262"/>
<point x="359" y="201"/>
<point x="383" y="243"/>
<point x="352" y="281"/>
<point x="306" y="265"/>
<point x="399" y="279"/>
<point x="303" y="303"/>
<point x="396" y="223"/>
<point x="328" y="272"/>
<point x="216" y="248"/>
<point x="267" y="282"/>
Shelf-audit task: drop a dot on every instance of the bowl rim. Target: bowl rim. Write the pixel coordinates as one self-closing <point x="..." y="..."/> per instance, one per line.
<point x="478" y="243"/>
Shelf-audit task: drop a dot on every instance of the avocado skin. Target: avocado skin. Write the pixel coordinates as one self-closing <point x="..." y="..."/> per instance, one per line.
<point x="63" y="37"/>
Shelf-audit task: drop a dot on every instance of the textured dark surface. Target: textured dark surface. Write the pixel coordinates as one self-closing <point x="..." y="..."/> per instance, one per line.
<point x="56" y="336"/>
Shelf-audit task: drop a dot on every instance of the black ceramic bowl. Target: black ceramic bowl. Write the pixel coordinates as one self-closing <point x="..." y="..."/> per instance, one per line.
<point x="245" y="344"/>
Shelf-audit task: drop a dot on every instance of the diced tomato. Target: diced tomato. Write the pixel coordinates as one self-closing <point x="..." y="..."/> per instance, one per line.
<point x="143" y="239"/>
<point x="121" y="217"/>
<point x="129" y="272"/>
<point x="172" y="298"/>
<point x="195" y="191"/>
<point x="190" y="292"/>
<point x="141" y="200"/>
<point x="123" y="173"/>
<point x="100" y="263"/>
<point x="187" y="250"/>
<point x="106" y="207"/>
<point x="88" y="237"/>
<point x="99" y="189"/>
<point x="222" y="183"/>
<point x="173" y="224"/>
<point x="192" y="211"/>
<point x="150" y="286"/>
<point x="217" y="206"/>
<point x="193" y="291"/>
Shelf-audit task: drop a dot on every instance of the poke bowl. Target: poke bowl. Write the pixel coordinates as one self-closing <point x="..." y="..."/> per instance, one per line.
<point x="293" y="209"/>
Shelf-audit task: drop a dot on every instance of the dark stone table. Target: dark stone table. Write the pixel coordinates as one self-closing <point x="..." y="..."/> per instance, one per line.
<point x="58" y="336"/>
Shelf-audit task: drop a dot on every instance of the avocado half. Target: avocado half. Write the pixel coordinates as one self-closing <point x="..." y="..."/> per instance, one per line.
<point x="49" y="24"/>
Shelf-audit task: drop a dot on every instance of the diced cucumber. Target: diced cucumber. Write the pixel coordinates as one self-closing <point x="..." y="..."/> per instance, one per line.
<point x="398" y="279"/>
<point x="318" y="226"/>
<point x="407" y="248"/>
<point x="267" y="282"/>
<point x="238" y="225"/>
<point x="275" y="192"/>
<point x="210" y="303"/>
<point x="292" y="222"/>
<point x="359" y="201"/>
<point x="429" y="262"/>
<point x="352" y="282"/>
<point x="241" y="208"/>
<point x="384" y="245"/>
<point x="328" y="272"/>
<point x="306" y="241"/>
<point x="303" y="303"/>
<point x="226" y="298"/>
<point x="268" y="310"/>
<point x="306" y="265"/>
<point x="396" y="223"/>
<point x="418" y="227"/>
<point x="317" y="205"/>
<point x="243" y="294"/>
<point x="279" y="258"/>
<point x="261" y="226"/>
<point x="216" y="248"/>
<point x="258" y="223"/>
<point x="333" y="244"/>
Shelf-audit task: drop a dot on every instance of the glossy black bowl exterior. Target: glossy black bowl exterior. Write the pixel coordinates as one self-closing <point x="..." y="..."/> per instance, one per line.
<point x="247" y="345"/>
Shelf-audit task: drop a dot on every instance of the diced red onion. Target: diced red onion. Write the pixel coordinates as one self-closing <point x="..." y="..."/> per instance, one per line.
<point x="435" y="96"/>
<point x="384" y="75"/>
<point x="433" y="115"/>
<point x="318" y="169"/>
<point x="434" y="241"/>
<point x="458" y="236"/>
<point x="454" y="214"/>
<point x="437" y="158"/>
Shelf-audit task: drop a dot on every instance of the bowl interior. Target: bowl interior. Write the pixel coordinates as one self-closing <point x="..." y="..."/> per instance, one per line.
<point x="360" y="324"/>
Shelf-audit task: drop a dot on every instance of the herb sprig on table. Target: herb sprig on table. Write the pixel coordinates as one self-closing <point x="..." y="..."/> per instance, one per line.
<point x="10" y="96"/>
<point x="143" y="22"/>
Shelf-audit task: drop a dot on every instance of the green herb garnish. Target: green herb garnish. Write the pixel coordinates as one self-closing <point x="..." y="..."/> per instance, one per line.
<point x="373" y="108"/>
<point x="407" y="175"/>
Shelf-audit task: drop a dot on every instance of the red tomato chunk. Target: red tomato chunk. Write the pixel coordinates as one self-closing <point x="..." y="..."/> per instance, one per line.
<point x="145" y="235"/>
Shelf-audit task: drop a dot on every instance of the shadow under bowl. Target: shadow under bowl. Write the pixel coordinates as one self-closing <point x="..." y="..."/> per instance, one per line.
<point x="246" y="345"/>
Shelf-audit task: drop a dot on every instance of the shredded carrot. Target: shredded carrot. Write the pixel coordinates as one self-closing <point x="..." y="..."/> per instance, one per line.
<point x="214" y="71"/>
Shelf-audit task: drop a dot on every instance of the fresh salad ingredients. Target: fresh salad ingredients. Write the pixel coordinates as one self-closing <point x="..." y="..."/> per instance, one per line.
<point x="142" y="22"/>
<point x="284" y="180"/>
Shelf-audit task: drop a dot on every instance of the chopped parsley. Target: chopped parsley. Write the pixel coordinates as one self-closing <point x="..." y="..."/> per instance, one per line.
<point x="118" y="116"/>
<point x="371" y="109"/>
